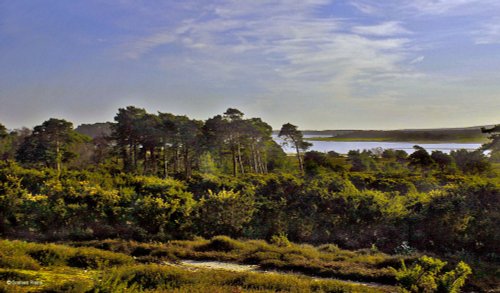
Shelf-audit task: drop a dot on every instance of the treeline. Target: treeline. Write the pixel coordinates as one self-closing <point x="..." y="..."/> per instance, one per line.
<point x="150" y="144"/>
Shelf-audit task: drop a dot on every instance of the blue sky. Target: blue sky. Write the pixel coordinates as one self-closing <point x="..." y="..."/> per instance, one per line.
<point x="319" y="64"/>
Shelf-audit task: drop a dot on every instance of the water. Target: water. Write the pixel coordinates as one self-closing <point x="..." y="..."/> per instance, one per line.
<point x="343" y="147"/>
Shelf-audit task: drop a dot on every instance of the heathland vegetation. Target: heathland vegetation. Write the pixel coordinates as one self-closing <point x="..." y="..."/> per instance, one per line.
<point x="128" y="203"/>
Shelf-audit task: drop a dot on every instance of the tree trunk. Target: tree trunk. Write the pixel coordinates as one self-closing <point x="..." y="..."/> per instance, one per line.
<point x="153" y="162"/>
<point x="135" y="157"/>
<point x="240" y="161"/>
<point x="58" y="159"/>
<point x="176" y="161"/>
<point x="187" y="164"/>
<point x="235" y="166"/>
<point x="165" y="162"/>
<point x="301" y="166"/>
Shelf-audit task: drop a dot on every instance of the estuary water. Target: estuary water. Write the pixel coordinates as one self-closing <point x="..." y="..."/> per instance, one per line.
<point x="343" y="147"/>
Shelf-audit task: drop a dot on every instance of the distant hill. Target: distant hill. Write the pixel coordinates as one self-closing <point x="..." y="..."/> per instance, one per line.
<point x="430" y="135"/>
<point x="95" y="130"/>
<point x="464" y="134"/>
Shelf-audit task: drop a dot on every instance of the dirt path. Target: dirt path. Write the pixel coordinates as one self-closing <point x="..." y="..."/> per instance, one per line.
<point x="234" y="267"/>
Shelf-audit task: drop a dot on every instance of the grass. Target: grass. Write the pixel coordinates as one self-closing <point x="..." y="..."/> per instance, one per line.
<point x="25" y="255"/>
<point x="173" y="279"/>
<point x="108" y="266"/>
<point x="324" y="261"/>
<point x="119" y="265"/>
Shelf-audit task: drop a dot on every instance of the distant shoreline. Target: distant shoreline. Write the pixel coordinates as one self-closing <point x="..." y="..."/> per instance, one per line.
<point x="388" y="139"/>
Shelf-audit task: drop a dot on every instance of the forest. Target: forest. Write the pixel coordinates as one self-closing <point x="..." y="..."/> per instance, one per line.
<point x="121" y="198"/>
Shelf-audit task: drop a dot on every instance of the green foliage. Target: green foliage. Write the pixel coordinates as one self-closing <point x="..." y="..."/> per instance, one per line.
<point x="319" y="163"/>
<point x="362" y="161"/>
<point x="494" y="144"/>
<point x="95" y="258"/>
<point x="207" y="164"/>
<point x="474" y="162"/>
<point x="420" y="158"/>
<point x="426" y="276"/>
<point x="225" y="212"/>
<point x="163" y="205"/>
<point x="280" y="240"/>
<point x="294" y="138"/>
<point x="49" y="144"/>
<point x="221" y="243"/>
<point x="30" y="256"/>
<point x="404" y="249"/>
<point x="155" y="277"/>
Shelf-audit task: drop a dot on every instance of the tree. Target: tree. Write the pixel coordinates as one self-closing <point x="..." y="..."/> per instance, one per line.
<point x="234" y="128"/>
<point x="4" y="144"/>
<point x="293" y="136"/>
<point x="168" y="131"/>
<point x="468" y="162"/>
<point x="188" y="134"/>
<point x="420" y="158"/>
<point x="362" y="161"/>
<point x="259" y="139"/>
<point x="49" y="144"/>
<point x="442" y="160"/>
<point x="126" y="133"/>
<point x="494" y="144"/>
<point x="3" y="131"/>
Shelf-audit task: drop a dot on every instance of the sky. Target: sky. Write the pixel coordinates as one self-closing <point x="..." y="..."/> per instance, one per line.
<point x="318" y="64"/>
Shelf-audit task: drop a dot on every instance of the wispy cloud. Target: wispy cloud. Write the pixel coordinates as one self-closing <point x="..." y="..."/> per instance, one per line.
<point x="417" y="60"/>
<point x="364" y="7"/>
<point x="489" y="33"/>
<point x="284" y="44"/>
<point x="440" y="6"/>
<point x="389" y="28"/>
<point x="349" y="62"/>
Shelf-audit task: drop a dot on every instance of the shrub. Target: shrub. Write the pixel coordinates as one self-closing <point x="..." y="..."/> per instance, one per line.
<point x="404" y="249"/>
<point x="18" y="262"/>
<point x="145" y="277"/>
<point x="94" y="258"/>
<point x="221" y="243"/>
<point x="426" y="276"/>
<point x="48" y="255"/>
<point x="280" y="240"/>
<point x="330" y="248"/>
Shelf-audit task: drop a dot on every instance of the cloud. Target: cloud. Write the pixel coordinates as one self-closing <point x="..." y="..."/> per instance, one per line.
<point x="439" y="6"/>
<point x="489" y="33"/>
<point x="389" y="28"/>
<point x="281" y="44"/>
<point x="417" y="60"/>
<point x="364" y="7"/>
<point x="145" y="45"/>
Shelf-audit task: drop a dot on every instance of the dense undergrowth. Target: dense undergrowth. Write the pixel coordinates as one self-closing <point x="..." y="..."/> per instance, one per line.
<point x="451" y="216"/>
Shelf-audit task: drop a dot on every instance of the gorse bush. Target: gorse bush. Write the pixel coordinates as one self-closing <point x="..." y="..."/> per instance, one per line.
<point x="280" y="240"/>
<point x="426" y="276"/>
<point x="354" y="210"/>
